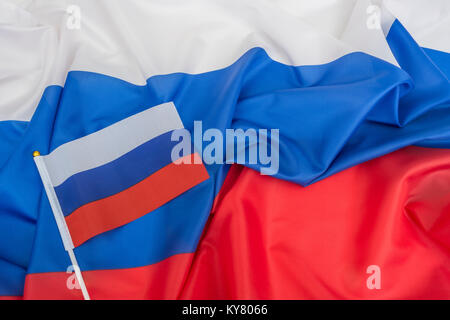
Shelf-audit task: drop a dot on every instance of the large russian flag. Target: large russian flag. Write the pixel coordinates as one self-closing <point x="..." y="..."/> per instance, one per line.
<point x="115" y="175"/>
<point x="347" y="95"/>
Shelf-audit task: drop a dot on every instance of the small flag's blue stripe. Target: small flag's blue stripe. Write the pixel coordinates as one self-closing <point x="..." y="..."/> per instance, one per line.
<point x="117" y="175"/>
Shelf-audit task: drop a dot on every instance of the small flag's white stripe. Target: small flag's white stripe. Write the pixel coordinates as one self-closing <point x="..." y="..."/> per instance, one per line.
<point x="54" y="203"/>
<point x="111" y="142"/>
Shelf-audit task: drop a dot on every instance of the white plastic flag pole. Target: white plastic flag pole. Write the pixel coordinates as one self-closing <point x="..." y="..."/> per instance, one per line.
<point x="60" y="221"/>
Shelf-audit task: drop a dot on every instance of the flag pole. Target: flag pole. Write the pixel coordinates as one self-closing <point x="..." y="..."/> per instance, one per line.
<point x="60" y="220"/>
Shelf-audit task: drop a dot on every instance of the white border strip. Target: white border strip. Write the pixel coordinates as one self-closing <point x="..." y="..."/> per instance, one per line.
<point x="110" y="143"/>
<point x="60" y="222"/>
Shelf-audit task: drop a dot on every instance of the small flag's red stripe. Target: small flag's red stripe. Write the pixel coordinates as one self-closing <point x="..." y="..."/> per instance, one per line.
<point x="149" y="194"/>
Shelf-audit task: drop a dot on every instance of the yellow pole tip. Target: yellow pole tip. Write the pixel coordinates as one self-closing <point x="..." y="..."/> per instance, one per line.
<point x="36" y="153"/>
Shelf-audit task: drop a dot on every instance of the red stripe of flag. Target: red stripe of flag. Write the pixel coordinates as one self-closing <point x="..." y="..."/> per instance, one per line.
<point x="149" y="194"/>
<point x="11" y="298"/>
<point x="161" y="280"/>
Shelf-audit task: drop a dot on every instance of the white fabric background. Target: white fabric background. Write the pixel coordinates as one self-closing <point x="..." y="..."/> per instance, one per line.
<point x="135" y="39"/>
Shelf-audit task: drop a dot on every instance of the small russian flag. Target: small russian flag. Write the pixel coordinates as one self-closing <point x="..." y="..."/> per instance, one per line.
<point x="118" y="174"/>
